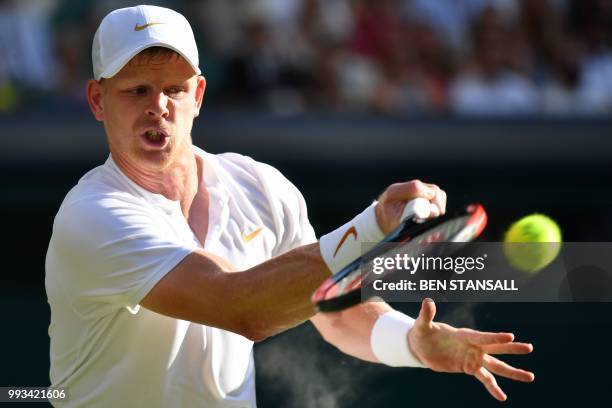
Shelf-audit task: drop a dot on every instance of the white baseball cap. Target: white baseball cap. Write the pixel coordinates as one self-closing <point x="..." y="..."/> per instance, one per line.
<point x="125" y="32"/>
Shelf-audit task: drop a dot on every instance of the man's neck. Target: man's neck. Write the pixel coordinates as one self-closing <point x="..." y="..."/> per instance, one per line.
<point x="177" y="182"/>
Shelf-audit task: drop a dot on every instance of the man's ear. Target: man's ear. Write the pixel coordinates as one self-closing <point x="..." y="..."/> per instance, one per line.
<point x="94" y="98"/>
<point x="200" y="88"/>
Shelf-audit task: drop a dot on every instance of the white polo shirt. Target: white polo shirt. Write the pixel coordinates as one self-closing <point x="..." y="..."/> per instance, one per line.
<point x="113" y="241"/>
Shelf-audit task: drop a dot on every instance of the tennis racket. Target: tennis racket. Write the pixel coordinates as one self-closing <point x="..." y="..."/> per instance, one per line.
<point x="343" y="290"/>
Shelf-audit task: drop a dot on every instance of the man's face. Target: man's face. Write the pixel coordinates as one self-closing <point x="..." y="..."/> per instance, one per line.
<point x="148" y="110"/>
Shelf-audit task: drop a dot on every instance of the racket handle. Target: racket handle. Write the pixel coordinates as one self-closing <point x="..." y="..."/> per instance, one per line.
<point x="418" y="208"/>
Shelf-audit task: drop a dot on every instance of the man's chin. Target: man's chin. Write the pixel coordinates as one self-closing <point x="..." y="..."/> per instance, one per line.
<point x="155" y="160"/>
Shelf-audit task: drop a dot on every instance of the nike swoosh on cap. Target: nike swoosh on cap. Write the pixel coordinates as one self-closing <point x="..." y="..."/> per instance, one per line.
<point x="350" y="231"/>
<point x="249" y="237"/>
<point x="142" y="27"/>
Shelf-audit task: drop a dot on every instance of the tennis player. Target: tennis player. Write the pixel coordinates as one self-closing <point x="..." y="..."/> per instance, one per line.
<point x="167" y="262"/>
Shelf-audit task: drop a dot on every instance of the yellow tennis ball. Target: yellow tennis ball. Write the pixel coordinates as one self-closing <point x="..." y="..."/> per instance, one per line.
<point x="532" y="242"/>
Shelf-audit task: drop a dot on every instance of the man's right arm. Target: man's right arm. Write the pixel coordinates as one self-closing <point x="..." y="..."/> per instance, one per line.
<point x="272" y="296"/>
<point x="256" y="303"/>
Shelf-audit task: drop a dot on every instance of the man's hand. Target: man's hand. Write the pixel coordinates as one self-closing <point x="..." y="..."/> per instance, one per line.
<point x="447" y="349"/>
<point x="392" y="201"/>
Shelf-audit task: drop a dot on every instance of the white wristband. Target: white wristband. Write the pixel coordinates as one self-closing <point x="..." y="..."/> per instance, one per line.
<point x="389" y="340"/>
<point x="343" y="245"/>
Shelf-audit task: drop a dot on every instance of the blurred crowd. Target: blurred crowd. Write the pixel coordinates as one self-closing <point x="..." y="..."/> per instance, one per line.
<point x="397" y="57"/>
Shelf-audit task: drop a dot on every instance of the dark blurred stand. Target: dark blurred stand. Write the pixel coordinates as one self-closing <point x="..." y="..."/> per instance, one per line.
<point x="513" y="166"/>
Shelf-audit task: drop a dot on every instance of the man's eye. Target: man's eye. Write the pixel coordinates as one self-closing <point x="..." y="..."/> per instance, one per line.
<point x="141" y="90"/>
<point x="174" y="90"/>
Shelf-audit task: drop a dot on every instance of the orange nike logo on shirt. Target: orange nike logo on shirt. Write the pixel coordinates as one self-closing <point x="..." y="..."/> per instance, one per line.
<point x="249" y="237"/>
<point x="350" y="231"/>
<point x="142" y="27"/>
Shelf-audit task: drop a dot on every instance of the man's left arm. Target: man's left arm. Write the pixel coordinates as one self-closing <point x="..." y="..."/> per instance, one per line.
<point x="373" y="331"/>
<point x="350" y="330"/>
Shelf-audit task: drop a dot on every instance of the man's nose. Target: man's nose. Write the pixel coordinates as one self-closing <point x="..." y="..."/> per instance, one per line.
<point x="158" y="105"/>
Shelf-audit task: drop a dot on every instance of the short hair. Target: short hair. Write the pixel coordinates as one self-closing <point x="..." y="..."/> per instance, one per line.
<point x="157" y="55"/>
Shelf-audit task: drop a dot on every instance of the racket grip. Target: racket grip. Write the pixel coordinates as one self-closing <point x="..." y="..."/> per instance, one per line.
<point x="418" y="208"/>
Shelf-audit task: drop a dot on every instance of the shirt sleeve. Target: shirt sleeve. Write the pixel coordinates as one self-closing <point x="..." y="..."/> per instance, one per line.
<point x="111" y="252"/>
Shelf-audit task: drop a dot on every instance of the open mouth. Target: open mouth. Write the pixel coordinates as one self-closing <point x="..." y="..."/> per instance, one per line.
<point x="155" y="138"/>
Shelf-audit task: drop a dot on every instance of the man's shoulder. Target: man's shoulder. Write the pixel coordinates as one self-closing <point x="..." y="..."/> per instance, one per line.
<point x="244" y="169"/>
<point x="97" y="189"/>
<point x="228" y="161"/>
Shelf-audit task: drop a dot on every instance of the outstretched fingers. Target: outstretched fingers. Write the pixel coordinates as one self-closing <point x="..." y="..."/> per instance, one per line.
<point x="488" y="380"/>
<point x="427" y="313"/>
<point x="478" y="338"/>
<point x="508" y="348"/>
<point x="505" y="370"/>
